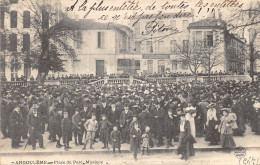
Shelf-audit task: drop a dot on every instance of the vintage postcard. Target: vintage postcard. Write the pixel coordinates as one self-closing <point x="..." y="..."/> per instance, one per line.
<point x="109" y="82"/>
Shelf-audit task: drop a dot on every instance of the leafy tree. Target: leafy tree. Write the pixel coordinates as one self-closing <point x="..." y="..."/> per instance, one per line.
<point x="51" y="40"/>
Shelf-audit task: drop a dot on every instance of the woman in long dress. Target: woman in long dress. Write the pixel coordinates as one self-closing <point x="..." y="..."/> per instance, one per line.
<point x="212" y="123"/>
<point x="226" y="131"/>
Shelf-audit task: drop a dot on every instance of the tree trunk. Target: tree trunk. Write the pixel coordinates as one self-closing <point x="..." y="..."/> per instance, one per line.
<point x="251" y="59"/>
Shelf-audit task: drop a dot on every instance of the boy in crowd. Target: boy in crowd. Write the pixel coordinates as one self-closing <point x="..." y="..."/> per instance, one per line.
<point x="104" y="131"/>
<point x="115" y="137"/>
<point x="66" y="127"/>
<point x="91" y="127"/>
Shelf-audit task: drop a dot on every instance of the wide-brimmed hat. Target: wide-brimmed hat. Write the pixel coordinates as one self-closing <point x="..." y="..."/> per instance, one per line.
<point x="211" y="105"/>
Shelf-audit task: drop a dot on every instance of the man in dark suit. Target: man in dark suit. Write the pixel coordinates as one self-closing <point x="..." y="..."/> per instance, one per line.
<point x="34" y="123"/>
<point x="158" y="115"/>
<point x="125" y="120"/>
<point x="17" y="123"/>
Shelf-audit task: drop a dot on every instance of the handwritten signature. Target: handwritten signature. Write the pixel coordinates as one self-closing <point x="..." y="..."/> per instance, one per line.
<point x="250" y="160"/>
<point x="154" y="27"/>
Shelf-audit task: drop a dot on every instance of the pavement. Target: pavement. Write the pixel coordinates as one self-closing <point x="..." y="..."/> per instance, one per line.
<point x="252" y="157"/>
<point x="249" y="140"/>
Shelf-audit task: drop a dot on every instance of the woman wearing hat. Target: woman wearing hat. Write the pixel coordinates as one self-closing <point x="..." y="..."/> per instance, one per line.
<point x="212" y="123"/>
<point x="225" y="129"/>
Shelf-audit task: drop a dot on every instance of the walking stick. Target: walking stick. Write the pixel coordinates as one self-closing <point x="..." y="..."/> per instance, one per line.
<point x="27" y="142"/>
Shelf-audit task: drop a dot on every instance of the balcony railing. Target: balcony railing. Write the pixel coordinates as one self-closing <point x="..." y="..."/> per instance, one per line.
<point x="131" y="80"/>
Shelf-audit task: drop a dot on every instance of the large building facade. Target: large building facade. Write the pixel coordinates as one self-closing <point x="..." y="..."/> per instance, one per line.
<point x="17" y="35"/>
<point x="101" y="48"/>
<point x="146" y="46"/>
<point x="156" y="40"/>
<point x="226" y="50"/>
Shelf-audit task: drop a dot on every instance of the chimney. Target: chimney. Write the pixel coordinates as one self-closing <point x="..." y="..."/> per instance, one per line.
<point x="192" y="12"/>
<point x="219" y="15"/>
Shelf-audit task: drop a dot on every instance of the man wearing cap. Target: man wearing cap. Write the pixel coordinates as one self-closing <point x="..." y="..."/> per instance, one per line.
<point x="114" y="114"/>
<point x="158" y="115"/>
<point x="237" y="109"/>
<point x="85" y="115"/>
<point x="103" y="107"/>
<point x="145" y="118"/>
<point x="17" y="123"/>
<point x="77" y="127"/>
<point x="34" y="123"/>
<point x="104" y="126"/>
<point x="125" y="120"/>
<point x="170" y="128"/>
<point x="91" y="126"/>
<point x="52" y="109"/>
<point x="68" y="107"/>
<point x="66" y="127"/>
<point x="4" y="118"/>
<point x="57" y="118"/>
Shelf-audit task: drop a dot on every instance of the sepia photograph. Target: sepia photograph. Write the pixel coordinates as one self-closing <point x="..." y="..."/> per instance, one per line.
<point x="128" y="82"/>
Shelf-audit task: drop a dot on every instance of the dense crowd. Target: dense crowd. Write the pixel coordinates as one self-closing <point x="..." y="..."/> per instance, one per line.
<point x="142" y="115"/>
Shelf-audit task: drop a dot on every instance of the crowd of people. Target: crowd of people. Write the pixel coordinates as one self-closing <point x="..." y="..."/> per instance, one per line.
<point x="143" y="115"/>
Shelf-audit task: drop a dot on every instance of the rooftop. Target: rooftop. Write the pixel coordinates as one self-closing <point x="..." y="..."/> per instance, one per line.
<point x="208" y="23"/>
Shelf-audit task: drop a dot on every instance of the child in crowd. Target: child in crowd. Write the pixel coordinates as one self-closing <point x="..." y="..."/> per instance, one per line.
<point x="104" y="131"/>
<point x="135" y="134"/>
<point x="145" y="140"/>
<point x="66" y="127"/>
<point x="115" y="137"/>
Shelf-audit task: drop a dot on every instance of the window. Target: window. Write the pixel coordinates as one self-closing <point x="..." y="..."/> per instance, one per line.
<point x="149" y="46"/>
<point x="26" y="19"/>
<point x="13" y="15"/>
<point x="173" y="46"/>
<point x="3" y="42"/>
<point x="185" y="24"/>
<point x="161" y="46"/>
<point x="174" y="65"/>
<point x="2" y="17"/>
<point x="100" y="40"/>
<point x="13" y="42"/>
<point x="209" y="38"/>
<point x="137" y="47"/>
<point x="26" y="42"/>
<point x="14" y="68"/>
<point x="184" y="64"/>
<point x="78" y="41"/>
<point x="160" y="24"/>
<point x="13" y="1"/>
<point x="198" y="36"/>
<point x="137" y="64"/>
<point x="173" y="24"/>
<point x="185" y="44"/>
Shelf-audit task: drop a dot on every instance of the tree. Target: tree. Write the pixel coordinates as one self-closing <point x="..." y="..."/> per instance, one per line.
<point x="248" y="19"/>
<point x="51" y="43"/>
<point x="213" y="54"/>
<point x="203" y="53"/>
<point x="191" y="53"/>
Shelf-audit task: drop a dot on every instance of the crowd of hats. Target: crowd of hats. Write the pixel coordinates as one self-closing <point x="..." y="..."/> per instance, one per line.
<point x="138" y="93"/>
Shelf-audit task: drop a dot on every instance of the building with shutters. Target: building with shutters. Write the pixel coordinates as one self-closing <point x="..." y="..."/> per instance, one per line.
<point x="155" y="40"/>
<point x="227" y="50"/>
